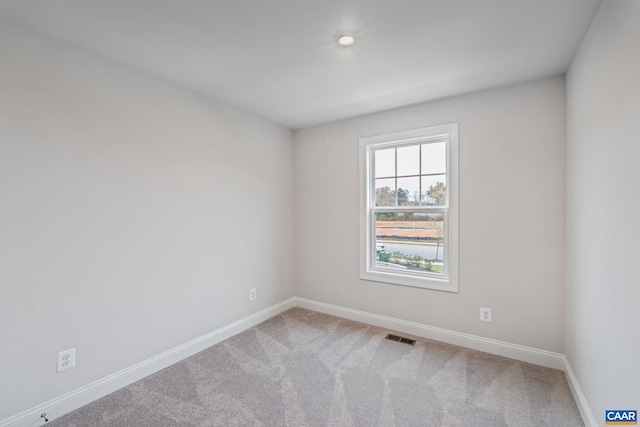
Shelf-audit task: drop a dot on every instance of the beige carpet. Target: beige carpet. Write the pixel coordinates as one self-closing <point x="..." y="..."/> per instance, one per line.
<point x="303" y="368"/>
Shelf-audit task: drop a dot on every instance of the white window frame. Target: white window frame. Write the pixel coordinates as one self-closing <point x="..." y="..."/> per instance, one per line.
<point x="448" y="281"/>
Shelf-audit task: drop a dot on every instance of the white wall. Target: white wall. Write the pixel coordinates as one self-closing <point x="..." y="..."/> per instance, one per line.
<point x="134" y="216"/>
<point x="512" y="148"/>
<point x="603" y="205"/>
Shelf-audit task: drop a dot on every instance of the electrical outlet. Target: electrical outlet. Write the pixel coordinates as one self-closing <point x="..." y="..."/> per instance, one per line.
<point x="485" y="314"/>
<point x="252" y="293"/>
<point x="66" y="360"/>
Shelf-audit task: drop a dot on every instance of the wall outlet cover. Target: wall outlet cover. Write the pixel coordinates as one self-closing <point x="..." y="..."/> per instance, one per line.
<point x="66" y="360"/>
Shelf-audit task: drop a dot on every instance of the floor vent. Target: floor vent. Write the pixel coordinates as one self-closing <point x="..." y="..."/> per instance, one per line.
<point x="400" y="339"/>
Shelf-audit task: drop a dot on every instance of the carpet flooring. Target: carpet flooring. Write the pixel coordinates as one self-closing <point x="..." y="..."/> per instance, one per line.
<point x="303" y="368"/>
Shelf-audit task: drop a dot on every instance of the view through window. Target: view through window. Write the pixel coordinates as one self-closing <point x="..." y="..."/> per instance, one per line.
<point x="410" y="176"/>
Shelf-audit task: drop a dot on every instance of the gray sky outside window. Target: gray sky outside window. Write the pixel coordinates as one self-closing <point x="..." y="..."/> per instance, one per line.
<point x="386" y="163"/>
<point x="434" y="158"/>
<point x="408" y="161"/>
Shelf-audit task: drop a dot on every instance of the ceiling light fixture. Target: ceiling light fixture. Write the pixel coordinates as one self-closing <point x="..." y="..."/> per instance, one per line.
<point x="345" y="37"/>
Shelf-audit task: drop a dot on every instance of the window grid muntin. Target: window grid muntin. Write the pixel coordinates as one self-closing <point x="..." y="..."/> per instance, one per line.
<point x="399" y="144"/>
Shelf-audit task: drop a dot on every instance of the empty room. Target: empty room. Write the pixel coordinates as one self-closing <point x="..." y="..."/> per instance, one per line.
<point x="319" y="213"/>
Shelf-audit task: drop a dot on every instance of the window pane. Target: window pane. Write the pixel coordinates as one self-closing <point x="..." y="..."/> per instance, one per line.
<point x="409" y="191"/>
<point x="409" y="160"/>
<point x="385" y="163"/>
<point x="434" y="190"/>
<point x="410" y="241"/>
<point x="386" y="192"/>
<point x="434" y="158"/>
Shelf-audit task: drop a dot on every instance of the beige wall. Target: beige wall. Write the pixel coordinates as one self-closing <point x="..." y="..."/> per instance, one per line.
<point x="512" y="145"/>
<point x="113" y="186"/>
<point x="603" y="231"/>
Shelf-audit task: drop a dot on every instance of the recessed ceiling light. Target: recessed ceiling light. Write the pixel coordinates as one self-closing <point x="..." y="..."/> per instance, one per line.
<point x="345" y="37"/>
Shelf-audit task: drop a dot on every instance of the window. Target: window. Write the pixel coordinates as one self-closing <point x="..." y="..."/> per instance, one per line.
<point x="409" y="208"/>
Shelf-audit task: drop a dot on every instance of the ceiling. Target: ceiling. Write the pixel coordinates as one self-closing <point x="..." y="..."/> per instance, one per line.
<point x="278" y="58"/>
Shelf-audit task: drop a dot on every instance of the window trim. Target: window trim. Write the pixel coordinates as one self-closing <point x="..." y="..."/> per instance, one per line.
<point x="368" y="271"/>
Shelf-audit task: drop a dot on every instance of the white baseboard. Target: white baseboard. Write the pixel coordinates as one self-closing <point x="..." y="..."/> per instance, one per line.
<point x="578" y="396"/>
<point x="73" y="400"/>
<point x="513" y="351"/>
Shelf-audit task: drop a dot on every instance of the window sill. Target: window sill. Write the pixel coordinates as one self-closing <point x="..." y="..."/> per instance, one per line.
<point x="433" y="283"/>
